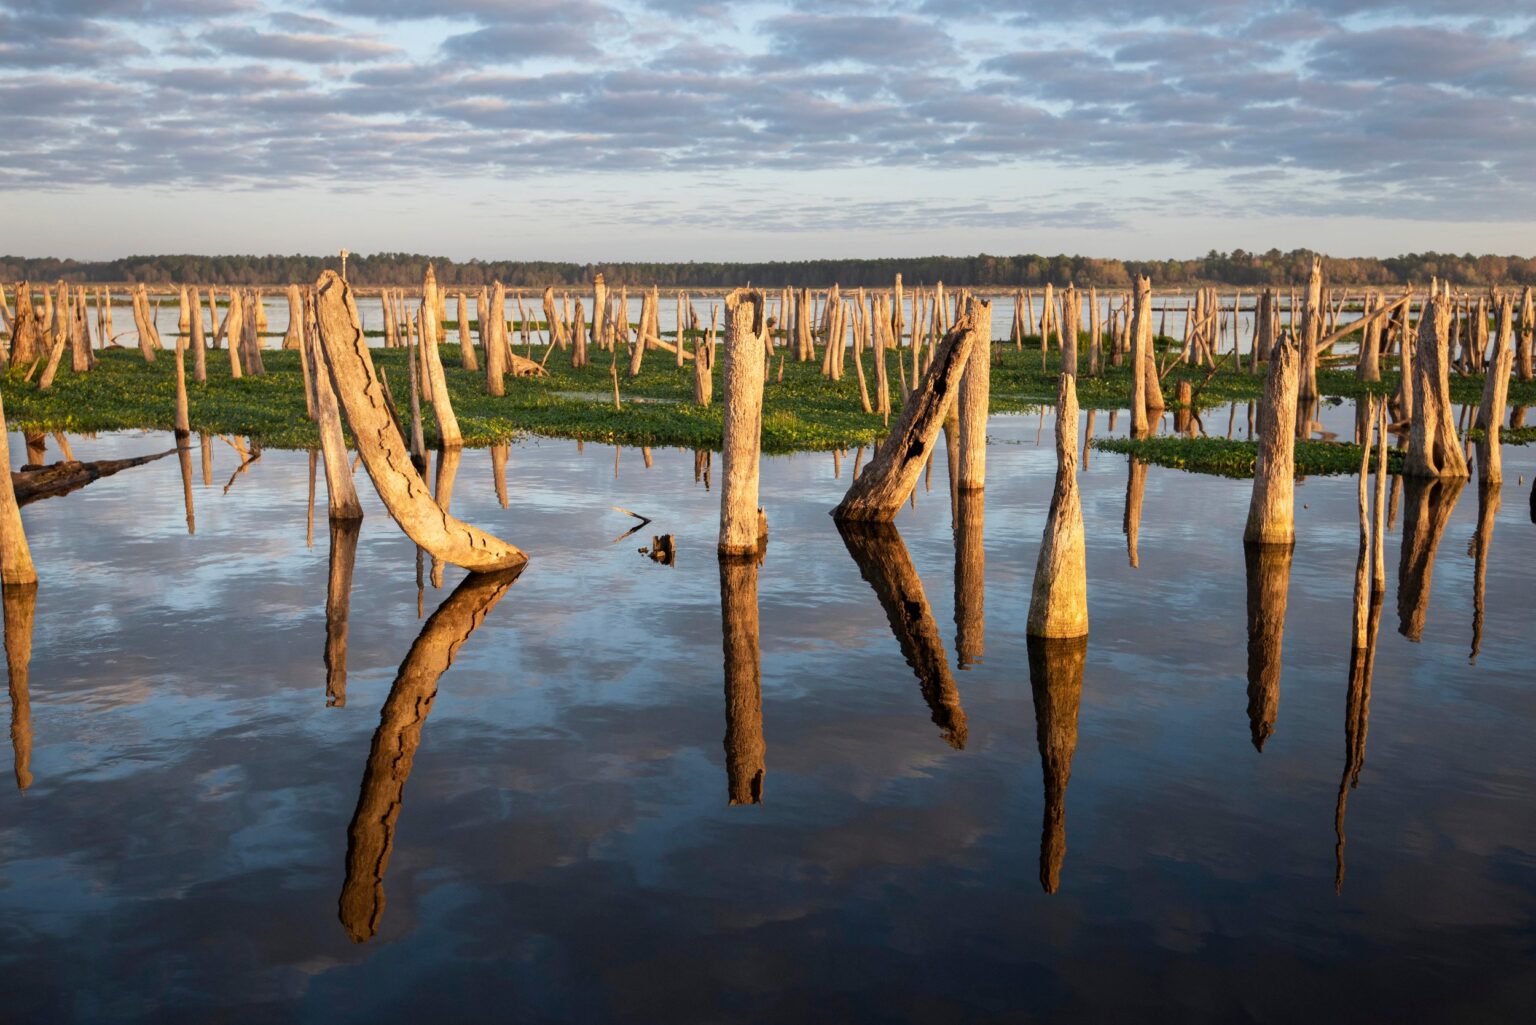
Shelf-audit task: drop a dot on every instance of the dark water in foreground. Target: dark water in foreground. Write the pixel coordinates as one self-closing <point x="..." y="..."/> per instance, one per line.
<point x="557" y="842"/>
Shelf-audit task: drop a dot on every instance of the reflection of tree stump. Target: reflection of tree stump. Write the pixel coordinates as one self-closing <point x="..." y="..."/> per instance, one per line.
<point x="1135" y="491"/>
<point x="338" y="603"/>
<point x="744" y="747"/>
<point x="883" y="561"/>
<point x="1487" y="512"/>
<point x="371" y="834"/>
<point x="1056" y="680"/>
<point x="1269" y="580"/>
<point x="970" y="578"/>
<point x="1357" y="724"/>
<point x="1429" y="503"/>
<point x="20" y="603"/>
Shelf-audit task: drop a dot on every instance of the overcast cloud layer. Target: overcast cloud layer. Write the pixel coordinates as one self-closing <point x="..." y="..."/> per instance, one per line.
<point x="804" y="117"/>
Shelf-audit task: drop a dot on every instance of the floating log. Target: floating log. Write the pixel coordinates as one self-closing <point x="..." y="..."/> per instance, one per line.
<point x="20" y="605"/>
<point x="745" y="765"/>
<point x="883" y="488"/>
<point x="743" y="426"/>
<point x="1058" y="604"/>
<point x="33" y="483"/>
<point x="371" y="833"/>
<point x="883" y="562"/>
<point x="400" y="487"/>
<point x="1056" y="683"/>
<point x="1268" y="568"/>
<point x="975" y="396"/>
<point x="1272" y="506"/>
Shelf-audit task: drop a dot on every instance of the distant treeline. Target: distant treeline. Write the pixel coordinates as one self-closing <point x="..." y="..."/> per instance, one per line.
<point x="1237" y="268"/>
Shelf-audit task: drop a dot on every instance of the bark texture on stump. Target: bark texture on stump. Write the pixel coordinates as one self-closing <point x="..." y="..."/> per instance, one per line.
<point x="742" y="393"/>
<point x="1058" y="604"/>
<point x="1141" y="353"/>
<point x="15" y="556"/>
<point x="1490" y="460"/>
<point x="342" y="494"/>
<point x="975" y="396"/>
<point x="1434" y="448"/>
<point x="1272" y="507"/>
<point x="383" y="451"/>
<point x="884" y="486"/>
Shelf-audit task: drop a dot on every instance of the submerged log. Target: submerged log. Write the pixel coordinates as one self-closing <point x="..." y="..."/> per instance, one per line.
<point x="1058" y="604"/>
<point x="745" y="765"/>
<point x="883" y="562"/>
<point x="883" y="488"/>
<point x="371" y="833"/>
<point x="33" y="483"/>
<point x="1269" y="581"/>
<point x="743" y="421"/>
<point x="384" y="454"/>
<point x="1272" y="506"/>
<point x="1056" y="683"/>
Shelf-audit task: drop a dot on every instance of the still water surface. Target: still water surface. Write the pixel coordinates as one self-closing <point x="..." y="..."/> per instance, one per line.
<point x="217" y="824"/>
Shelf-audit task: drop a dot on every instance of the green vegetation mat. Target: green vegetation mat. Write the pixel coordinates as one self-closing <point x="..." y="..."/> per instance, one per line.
<point x="803" y="411"/>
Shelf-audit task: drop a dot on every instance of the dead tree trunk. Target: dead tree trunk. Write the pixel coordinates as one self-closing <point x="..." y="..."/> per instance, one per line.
<point x="15" y="556"/>
<point x="1058" y="604"/>
<point x="975" y="398"/>
<point x="1490" y="463"/>
<point x="1434" y="450"/>
<point x="1311" y="331"/>
<point x="882" y="489"/>
<point x="342" y="494"/>
<point x="1272" y="508"/>
<point x="1141" y="356"/>
<point x="743" y="427"/>
<point x="448" y="434"/>
<point x="496" y="341"/>
<point x="400" y="487"/>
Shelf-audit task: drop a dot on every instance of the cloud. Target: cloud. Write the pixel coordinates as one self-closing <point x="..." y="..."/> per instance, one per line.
<point x="304" y="47"/>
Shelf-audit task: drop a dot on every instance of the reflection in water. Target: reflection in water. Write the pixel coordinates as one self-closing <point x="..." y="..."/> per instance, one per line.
<point x="371" y="834"/>
<point x="1487" y="512"/>
<point x="883" y="561"/>
<point x="338" y="604"/>
<point x="1056" y="680"/>
<point x="1135" y="490"/>
<point x="1429" y="503"/>
<point x="744" y="747"/>
<point x="447" y="469"/>
<point x="20" y="603"/>
<point x="184" y="455"/>
<point x="1269" y="581"/>
<point x="205" y="441"/>
<point x="499" y="470"/>
<point x="970" y="578"/>
<point x="1357" y="723"/>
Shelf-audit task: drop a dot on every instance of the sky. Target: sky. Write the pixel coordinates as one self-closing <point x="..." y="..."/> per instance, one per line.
<point x="669" y="130"/>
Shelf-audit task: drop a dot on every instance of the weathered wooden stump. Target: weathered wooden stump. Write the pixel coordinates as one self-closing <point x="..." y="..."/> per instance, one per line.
<point x="1058" y="604"/>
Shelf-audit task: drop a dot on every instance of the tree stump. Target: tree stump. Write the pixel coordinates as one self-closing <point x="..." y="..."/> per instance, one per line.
<point x="1058" y="604"/>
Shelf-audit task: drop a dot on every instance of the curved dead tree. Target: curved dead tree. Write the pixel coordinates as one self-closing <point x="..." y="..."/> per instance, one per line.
<point x="371" y="834"/>
<point x="1429" y="505"/>
<point x="338" y="605"/>
<point x="1269" y="581"/>
<point x="883" y="561"/>
<point x="20" y="603"/>
<point x="399" y="485"/>
<point x="745" y="766"/>
<point x="1056" y="681"/>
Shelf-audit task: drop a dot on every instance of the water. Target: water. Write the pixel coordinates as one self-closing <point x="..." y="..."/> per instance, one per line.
<point x="561" y="842"/>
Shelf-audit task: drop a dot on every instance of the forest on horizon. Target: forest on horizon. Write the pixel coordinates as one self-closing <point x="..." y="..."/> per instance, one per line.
<point x="1237" y="268"/>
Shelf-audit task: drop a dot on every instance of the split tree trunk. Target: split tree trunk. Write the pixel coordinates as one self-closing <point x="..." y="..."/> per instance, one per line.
<point x="1058" y="604"/>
